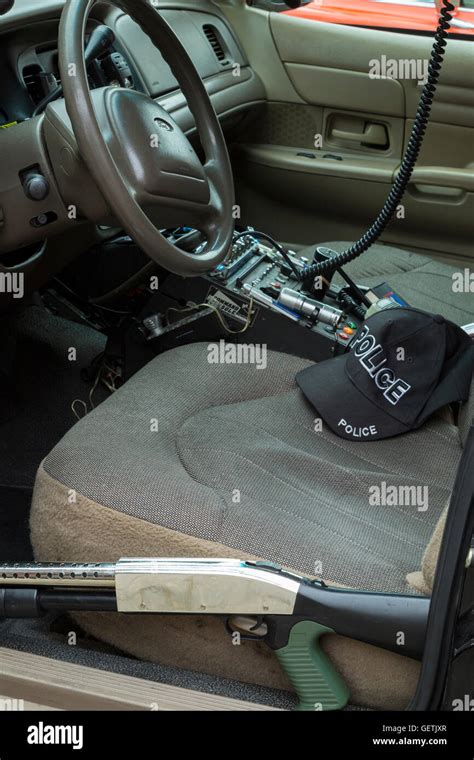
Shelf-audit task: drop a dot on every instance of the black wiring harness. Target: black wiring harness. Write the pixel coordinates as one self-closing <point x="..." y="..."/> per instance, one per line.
<point x="409" y="161"/>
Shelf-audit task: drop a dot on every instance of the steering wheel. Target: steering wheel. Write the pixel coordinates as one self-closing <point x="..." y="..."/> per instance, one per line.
<point x="138" y="155"/>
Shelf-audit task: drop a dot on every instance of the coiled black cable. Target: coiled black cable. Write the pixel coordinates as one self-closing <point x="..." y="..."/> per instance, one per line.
<point x="409" y="161"/>
<point x="351" y="307"/>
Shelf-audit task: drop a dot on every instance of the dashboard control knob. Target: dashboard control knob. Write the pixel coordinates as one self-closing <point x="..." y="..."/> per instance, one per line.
<point x="36" y="187"/>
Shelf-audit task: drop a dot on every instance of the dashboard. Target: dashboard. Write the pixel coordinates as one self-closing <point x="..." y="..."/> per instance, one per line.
<point x="29" y="73"/>
<point x="29" y="60"/>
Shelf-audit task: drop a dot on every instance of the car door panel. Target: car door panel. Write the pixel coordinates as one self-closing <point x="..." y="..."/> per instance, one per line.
<point x="303" y="199"/>
<point x="350" y="49"/>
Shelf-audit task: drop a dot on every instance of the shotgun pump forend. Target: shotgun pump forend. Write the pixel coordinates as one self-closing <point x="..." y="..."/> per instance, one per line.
<point x="288" y="611"/>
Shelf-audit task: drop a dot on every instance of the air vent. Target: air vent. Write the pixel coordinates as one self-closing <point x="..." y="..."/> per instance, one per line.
<point x="33" y="81"/>
<point x="214" y="41"/>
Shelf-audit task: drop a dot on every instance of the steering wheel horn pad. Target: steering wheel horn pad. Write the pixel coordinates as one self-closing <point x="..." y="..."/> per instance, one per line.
<point x="137" y="154"/>
<point x="155" y="154"/>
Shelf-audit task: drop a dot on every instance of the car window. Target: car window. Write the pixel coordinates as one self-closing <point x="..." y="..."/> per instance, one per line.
<point x="397" y="15"/>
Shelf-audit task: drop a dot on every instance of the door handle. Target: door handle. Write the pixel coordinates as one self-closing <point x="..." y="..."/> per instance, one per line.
<point x="373" y="134"/>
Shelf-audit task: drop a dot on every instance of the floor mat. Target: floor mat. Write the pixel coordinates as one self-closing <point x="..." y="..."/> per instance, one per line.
<point x="41" y="357"/>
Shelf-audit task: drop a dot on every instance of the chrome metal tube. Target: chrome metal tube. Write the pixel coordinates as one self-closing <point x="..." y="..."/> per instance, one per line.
<point x="310" y="308"/>
<point x="58" y="574"/>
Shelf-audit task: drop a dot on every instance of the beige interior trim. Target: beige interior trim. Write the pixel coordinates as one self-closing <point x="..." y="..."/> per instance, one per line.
<point x="445" y="145"/>
<point x="344" y="47"/>
<point x="322" y="47"/>
<point x="67" y="686"/>
<point x="353" y="90"/>
<point x="443" y="176"/>
<point x="26" y="706"/>
<point x="363" y="167"/>
<point x="252" y="26"/>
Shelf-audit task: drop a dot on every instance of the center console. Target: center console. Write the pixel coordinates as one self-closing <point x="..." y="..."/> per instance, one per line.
<point x="261" y="295"/>
<point x="255" y="296"/>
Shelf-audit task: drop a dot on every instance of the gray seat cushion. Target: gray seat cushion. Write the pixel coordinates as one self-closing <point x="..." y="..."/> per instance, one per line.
<point x="230" y="454"/>
<point x="425" y="283"/>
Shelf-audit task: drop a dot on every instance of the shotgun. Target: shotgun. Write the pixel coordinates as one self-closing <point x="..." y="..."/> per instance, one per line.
<point x="257" y="600"/>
